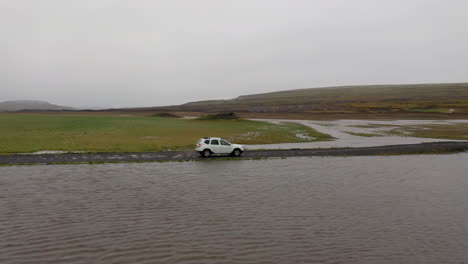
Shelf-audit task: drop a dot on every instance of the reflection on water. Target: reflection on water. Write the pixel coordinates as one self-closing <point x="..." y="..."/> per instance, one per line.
<point x="399" y="209"/>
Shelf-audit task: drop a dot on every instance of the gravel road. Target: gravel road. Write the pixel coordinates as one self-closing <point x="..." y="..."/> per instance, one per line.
<point x="189" y="155"/>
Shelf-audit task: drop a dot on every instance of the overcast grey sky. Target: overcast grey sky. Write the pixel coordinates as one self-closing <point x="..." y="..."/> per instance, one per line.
<point x="116" y="53"/>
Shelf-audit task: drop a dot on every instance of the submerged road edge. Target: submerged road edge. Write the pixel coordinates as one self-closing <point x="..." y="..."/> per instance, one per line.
<point x="79" y="158"/>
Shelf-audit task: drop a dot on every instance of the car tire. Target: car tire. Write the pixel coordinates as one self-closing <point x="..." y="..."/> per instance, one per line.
<point x="236" y="153"/>
<point x="206" y="153"/>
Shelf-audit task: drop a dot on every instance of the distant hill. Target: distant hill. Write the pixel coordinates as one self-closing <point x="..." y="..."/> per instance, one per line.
<point x="30" y="105"/>
<point x="452" y="97"/>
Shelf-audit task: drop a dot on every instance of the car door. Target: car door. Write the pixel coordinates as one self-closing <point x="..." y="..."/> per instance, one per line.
<point x="225" y="147"/>
<point x="215" y="147"/>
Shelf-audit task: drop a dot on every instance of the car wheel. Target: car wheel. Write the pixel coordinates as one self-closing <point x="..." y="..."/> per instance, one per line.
<point x="236" y="153"/>
<point x="206" y="153"/>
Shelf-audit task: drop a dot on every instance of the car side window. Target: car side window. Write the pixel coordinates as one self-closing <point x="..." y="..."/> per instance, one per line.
<point x="225" y="143"/>
<point x="214" y="142"/>
<point x="207" y="141"/>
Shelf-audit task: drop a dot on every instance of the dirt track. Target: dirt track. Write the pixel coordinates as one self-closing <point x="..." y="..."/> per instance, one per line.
<point x="436" y="147"/>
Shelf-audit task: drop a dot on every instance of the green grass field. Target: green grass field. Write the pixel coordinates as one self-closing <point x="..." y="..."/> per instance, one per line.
<point x="93" y="133"/>
<point x="455" y="131"/>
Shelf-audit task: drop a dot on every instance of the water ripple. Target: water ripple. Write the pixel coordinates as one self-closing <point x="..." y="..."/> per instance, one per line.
<point x="408" y="209"/>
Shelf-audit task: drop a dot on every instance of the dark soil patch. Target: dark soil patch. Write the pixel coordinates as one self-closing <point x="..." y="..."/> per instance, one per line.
<point x="221" y="116"/>
<point x="168" y="115"/>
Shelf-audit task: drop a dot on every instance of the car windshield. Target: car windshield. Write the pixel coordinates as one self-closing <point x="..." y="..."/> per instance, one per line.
<point x="225" y="143"/>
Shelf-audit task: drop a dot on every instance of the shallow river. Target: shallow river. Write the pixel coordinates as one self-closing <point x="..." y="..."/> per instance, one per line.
<point x="397" y="209"/>
<point x="340" y="130"/>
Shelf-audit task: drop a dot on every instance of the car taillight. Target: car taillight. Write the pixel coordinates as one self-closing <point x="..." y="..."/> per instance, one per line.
<point x="198" y="145"/>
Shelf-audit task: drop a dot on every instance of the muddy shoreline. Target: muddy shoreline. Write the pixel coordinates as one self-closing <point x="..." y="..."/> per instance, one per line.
<point x="424" y="148"/>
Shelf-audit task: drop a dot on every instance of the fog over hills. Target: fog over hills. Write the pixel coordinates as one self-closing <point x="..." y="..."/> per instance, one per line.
<point x="30" y="105"/>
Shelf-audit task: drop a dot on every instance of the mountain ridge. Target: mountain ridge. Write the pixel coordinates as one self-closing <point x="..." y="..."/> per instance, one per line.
<point x="20" y="105"/>
<point x="364" y="98"/>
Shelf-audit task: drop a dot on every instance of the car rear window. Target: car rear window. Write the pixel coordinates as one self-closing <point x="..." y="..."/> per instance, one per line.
<point x="214" y="142"/>
<point x="207" y="141"/>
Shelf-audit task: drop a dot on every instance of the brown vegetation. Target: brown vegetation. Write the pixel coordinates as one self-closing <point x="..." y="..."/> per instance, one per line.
<point x="420" y="101"/>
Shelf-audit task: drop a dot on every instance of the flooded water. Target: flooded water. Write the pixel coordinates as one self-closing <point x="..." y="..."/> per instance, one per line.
<point x="341" y="129"/>
<point x="397" y="209"/>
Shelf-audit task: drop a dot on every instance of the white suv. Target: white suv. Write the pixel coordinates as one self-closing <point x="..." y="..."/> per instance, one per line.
<point x="213" y="145"/>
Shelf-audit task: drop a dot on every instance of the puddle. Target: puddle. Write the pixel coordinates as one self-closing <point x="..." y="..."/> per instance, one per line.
<point x="51" y="152"/>
<point x="304" y="136"/>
